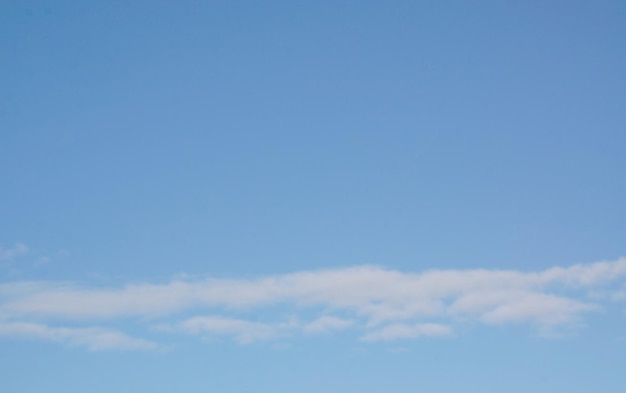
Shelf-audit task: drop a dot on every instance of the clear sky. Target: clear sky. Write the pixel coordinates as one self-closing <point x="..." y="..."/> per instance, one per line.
<point x="308" y="196"/>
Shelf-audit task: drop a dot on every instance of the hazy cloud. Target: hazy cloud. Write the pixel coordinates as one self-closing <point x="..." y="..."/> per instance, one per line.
<point x="244" y="332"/>
<point x="327" y="324"/>
<point x="94" y="339"/>
<point x="387" y="304"/>
<point x="11" y="253"/>
<point x="406" y="331"/>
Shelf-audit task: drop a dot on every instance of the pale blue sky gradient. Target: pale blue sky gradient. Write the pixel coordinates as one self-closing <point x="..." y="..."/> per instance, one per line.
<point x="143" y="143"/>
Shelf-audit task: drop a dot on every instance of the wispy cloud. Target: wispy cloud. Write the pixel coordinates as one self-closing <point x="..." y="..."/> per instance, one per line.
<point x="383" y="304"/>
<point x="11" y="253"/>
<point x="244" y="332"/>
<point x="94" y="339"/>
<point x="619" y="295"/>
<point x="327" y="324"/>
<point x="403" y="331"/>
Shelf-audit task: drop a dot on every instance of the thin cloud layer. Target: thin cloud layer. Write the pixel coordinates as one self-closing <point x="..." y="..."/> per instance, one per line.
<point x="94" y="339"/>
<point x="403" y="331"/>
<point x="379" y="304"/>
<point x="327" y="324"/>
<point x="244" y="332"/>
<point x="13" y="252"/>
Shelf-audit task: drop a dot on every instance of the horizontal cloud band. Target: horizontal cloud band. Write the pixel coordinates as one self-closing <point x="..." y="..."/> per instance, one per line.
<point x="387" y="304"/>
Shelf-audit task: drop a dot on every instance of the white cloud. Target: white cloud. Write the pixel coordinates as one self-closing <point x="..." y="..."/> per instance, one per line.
<point x="377" y="294"/>
<point x="405" y="331"/>
<point x="327" y="324"/>
<point x="94" y="339"/>
<point x="586" y="275"/>
<point x="244" y="332"/>
<point x="386" y="303"/>
<point x="539" y="308"/>
<point x="515" y="306"/>
<point x="11" y="253"/>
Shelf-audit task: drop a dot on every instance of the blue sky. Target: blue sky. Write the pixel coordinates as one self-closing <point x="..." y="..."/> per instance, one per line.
<point x="312" y="196"/>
